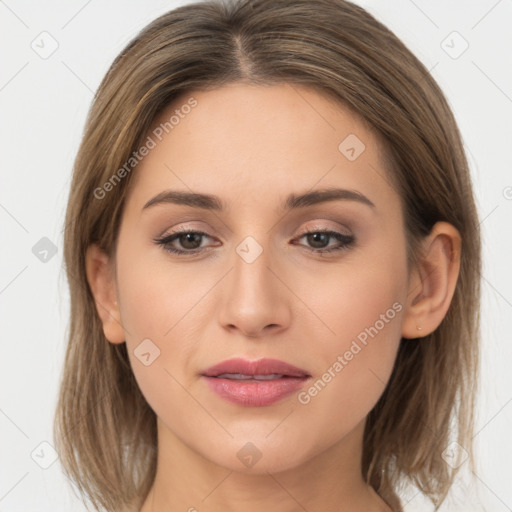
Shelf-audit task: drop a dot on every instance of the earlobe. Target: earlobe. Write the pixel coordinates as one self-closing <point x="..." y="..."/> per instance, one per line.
<point x="433" y="283"/>
<point x="100" y="275"/>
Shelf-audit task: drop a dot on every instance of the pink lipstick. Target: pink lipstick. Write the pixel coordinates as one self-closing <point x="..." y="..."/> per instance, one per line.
<point x="255" y="383"/>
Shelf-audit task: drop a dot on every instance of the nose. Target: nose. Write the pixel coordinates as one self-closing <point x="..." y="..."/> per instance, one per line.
<point x="255" y="302"/>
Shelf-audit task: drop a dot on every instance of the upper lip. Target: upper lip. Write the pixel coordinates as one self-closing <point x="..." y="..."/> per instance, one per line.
<point x="263" y="366"/>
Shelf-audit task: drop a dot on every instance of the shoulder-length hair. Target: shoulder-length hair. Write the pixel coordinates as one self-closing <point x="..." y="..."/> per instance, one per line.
<point x="104" y="429"/>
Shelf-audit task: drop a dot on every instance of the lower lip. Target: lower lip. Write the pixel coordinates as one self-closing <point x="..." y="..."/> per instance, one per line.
<point x="255" y="393"/>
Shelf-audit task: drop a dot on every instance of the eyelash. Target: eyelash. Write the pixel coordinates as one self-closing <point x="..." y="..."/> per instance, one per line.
<point x="346" y="241"/>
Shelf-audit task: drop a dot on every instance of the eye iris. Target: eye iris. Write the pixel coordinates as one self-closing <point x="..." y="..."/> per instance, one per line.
<point x="314" y="238"/>
<point x="189" y="237"/>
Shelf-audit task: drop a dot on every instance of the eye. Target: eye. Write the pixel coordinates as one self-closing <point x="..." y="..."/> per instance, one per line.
<point x="190" y="241"/>
<point x="319" y="240"/>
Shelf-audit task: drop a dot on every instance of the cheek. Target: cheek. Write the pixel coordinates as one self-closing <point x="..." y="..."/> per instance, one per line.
<point x="159" y="338"/>
<point x="355" y="295"/>
<point x="361" y="305"/>
<point x="156" y="302"/>
<point x="156" y="296"/>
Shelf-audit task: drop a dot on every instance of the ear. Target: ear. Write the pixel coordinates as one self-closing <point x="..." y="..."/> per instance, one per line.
<point x="101" y="278"/>
<point x="432" y="283"/>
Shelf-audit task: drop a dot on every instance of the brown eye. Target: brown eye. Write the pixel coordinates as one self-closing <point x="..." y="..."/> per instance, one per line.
<point x="189" y="242"/>
<point x="319" y="240"/>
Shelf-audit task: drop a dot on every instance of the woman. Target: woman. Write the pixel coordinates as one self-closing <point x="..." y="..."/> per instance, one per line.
<point x="273" y="255"/>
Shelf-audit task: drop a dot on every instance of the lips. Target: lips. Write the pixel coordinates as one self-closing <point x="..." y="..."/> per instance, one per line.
<point x="254" y="383"/>
<point x="263" y="369"/>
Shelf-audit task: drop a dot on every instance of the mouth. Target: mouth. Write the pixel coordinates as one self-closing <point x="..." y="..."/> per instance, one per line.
<point x="263" y="369"/>
<point x="255" y="383"/>
<point x="255" y="378"/>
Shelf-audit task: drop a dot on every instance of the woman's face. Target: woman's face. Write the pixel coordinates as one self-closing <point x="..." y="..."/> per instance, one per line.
<point x="251" y="284"/>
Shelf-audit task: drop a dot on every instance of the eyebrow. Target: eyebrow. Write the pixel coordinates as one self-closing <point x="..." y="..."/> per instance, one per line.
<point x="293" y="201"/>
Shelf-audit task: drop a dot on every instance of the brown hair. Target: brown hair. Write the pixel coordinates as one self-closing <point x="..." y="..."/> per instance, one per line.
<point x="105" y="431"/>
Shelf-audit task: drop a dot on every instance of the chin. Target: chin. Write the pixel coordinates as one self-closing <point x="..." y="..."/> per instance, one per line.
<point x="256" y="455"/>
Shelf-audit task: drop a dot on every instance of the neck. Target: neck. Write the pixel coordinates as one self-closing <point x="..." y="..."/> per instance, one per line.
<point x="330" y="481"/>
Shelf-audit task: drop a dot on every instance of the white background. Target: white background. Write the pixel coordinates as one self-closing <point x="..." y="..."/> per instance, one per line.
<point x="43" y="104"/>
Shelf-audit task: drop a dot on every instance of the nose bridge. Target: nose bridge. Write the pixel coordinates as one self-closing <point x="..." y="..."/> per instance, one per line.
<point x="254" y="296"/>
<point x="251" y="284"/>
<point x="251" y="267"/>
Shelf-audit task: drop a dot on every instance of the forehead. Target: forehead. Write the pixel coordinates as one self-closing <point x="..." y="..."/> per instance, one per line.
<point x="245" y="142"/>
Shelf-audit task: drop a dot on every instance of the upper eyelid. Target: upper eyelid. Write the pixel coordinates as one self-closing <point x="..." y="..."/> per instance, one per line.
<point x="318" y="224"/>
<point x="308" y="230"/>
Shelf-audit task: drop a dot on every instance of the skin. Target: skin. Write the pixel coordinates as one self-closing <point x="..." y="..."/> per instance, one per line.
<point x="252" y="146"/>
